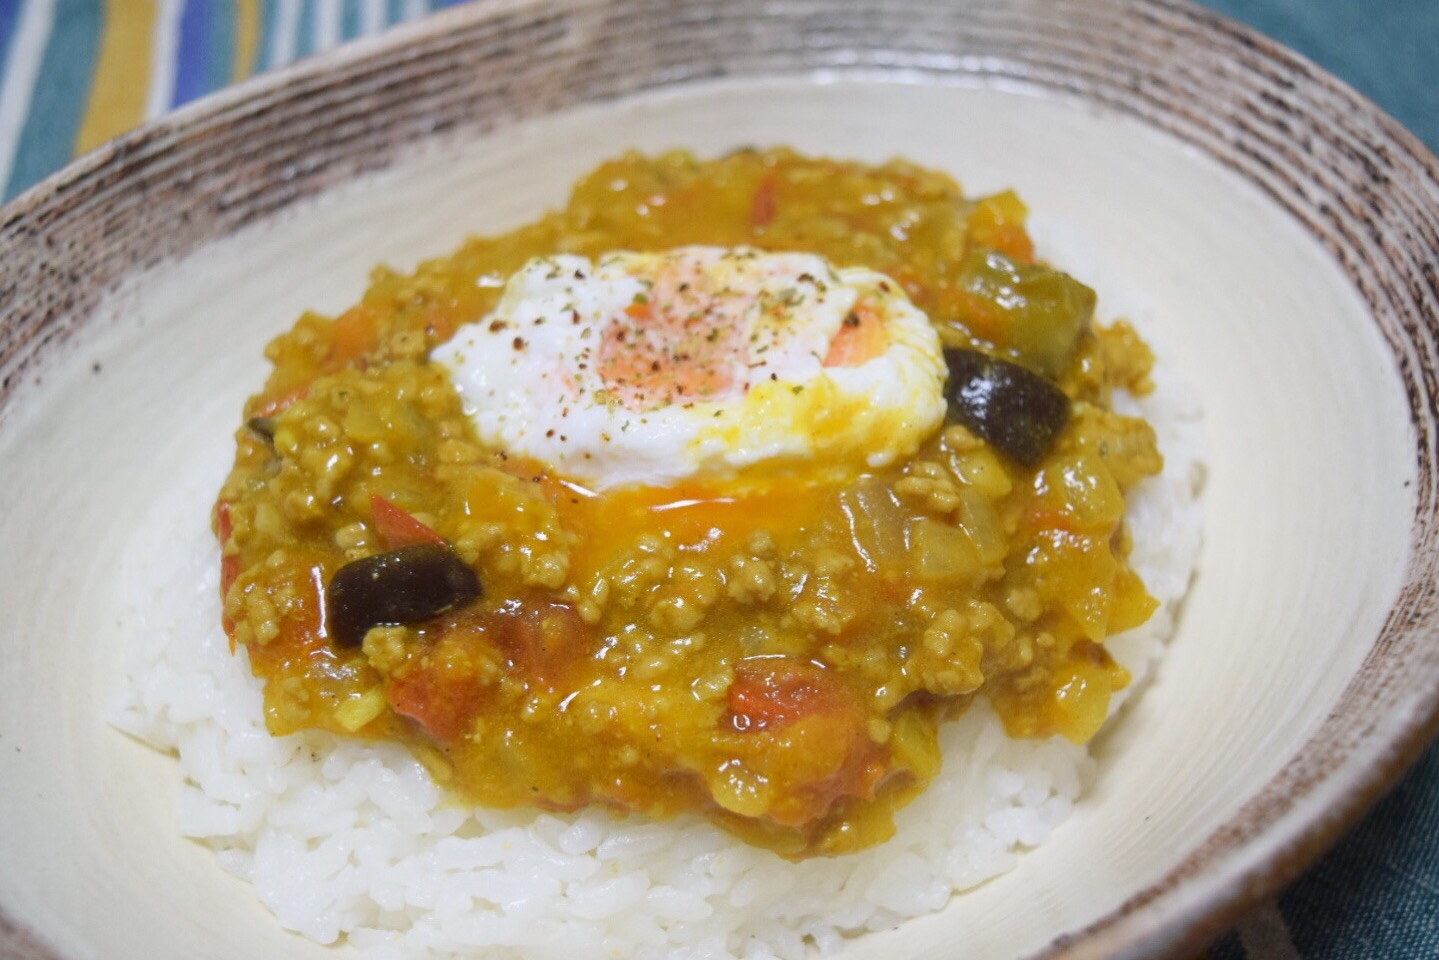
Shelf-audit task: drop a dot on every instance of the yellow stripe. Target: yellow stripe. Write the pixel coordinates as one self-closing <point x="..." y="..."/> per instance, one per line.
<point x="122" y="77"/>
<point x="247" y="36"/>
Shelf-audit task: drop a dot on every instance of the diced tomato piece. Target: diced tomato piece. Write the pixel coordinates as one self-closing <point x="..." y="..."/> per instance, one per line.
<point x="865" y="768"/>
<point x="223" y="525"/>
<point x="229" y="563"/>
<point x="444" y="705"/>
<point x="355" y="333"/>
<point x="444" y="690"/>
<point x="1013" y="241"/>
<point x="537" y="637"/>
<point x="640" y="310"/>
<point x="1041" y="517"/>
<point x="822" y="728"/>
<point x="398" y="528"/>
<point x="763" y="207"/>
<point x="273" y="406"/>
<point x="772" y="693"/>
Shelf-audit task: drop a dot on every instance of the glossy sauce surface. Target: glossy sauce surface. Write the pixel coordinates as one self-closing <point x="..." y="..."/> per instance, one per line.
<point x="776" y="650"/>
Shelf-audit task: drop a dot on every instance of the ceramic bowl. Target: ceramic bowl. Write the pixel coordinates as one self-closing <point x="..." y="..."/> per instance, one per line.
<point x="1273" y="231"/>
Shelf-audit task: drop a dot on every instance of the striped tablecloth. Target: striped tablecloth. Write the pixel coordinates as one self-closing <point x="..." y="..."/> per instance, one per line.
<point x="74" y="73"/>
<point x="78" y="72"/>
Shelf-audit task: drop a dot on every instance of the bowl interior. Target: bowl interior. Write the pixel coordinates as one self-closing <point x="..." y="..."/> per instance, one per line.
<point x="1308" y="501"/>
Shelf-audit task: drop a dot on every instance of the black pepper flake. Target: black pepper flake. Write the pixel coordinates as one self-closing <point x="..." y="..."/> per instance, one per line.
<point x="852" y="320"/>
<point x="654" y="366"/>
<point x="496" y="326"/>
<point x="575" y="317"/>
<point x="519" y="343"/>
<point x="884" y="285"/>
<point x="549" y="433"/>
<point x="579" y="274"/>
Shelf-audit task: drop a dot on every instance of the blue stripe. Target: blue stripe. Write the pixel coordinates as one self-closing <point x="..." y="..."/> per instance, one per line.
<point x="305" y="42"/>
<point x="191" y="67"/>
<point x="394" y="11"/>
<point x="62" y="91"/>
<point x="9" y="18"/>
<point x="350" y="19"/>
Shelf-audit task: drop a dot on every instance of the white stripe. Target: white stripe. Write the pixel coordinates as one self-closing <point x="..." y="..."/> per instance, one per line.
<point x="413" y="9"/>
<point x="164" y="52"/>
<point x="287" y="33"/>
<point x="372" y="17"/>
<point x="1265" y="935"/>
<point x="27" y="50"/>
<point x="328" y="24"/>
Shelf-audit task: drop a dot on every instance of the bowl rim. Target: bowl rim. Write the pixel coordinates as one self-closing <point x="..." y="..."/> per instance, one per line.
<point x="1348" y="763"/>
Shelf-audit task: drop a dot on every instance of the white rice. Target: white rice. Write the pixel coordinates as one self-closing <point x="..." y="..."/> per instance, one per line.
<point x="347" y="839"/>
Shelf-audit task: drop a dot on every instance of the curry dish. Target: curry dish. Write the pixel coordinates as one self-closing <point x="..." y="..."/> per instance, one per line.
<point x="773" y="649"/>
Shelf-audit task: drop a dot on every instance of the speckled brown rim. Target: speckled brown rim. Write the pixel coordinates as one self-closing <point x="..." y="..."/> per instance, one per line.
<point x="1362" y="186"/>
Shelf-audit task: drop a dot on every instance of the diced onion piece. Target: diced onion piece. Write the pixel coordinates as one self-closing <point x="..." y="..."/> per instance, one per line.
<point x="943" y="552"/>
<point x="355" y="713"/>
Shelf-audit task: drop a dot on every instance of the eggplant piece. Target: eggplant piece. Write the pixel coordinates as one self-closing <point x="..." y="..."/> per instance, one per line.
<point x="395" y="588"/>
<point x="262" y="427"/>
<point x="1019" y="412"/>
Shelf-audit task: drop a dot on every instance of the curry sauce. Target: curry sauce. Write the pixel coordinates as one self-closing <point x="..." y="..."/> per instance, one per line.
<point x="776" y="655"/>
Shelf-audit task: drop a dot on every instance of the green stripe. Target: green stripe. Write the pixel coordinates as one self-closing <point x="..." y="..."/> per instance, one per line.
<point x="62" y="91"/>
<point x="220" y="70"/>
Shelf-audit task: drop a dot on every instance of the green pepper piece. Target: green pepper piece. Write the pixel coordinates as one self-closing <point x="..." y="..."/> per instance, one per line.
<point x="1032" y="312"/>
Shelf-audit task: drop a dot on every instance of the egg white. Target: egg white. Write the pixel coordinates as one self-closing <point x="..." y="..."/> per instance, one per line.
<point x="750" y="331"/>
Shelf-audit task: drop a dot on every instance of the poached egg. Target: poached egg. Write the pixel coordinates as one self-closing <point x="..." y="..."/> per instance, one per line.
<point x="699" y="363"/>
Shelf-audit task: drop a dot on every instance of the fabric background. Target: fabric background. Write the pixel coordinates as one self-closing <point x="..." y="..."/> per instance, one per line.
<point x="74" y="73"/>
